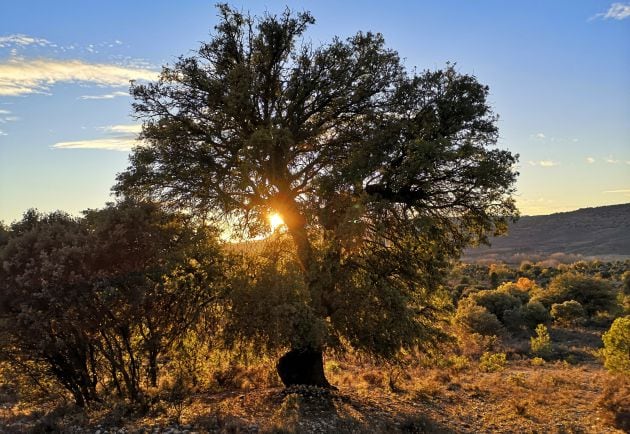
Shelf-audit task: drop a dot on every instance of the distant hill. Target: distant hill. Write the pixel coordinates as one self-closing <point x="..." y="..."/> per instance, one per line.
<point x="601" y="232"/>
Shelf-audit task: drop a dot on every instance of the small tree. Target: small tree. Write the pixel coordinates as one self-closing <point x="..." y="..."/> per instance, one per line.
<point x="541" y="343"/>
<point x="617" y="346"/>
<point x="381" y="176"/>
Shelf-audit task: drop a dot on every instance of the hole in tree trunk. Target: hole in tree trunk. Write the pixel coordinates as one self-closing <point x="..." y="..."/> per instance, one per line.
<point x="303" y="366"/>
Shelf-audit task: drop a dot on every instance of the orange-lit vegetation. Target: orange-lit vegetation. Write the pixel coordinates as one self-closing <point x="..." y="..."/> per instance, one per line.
<point x="357" y="185"/>
<point x="493" y="373"/>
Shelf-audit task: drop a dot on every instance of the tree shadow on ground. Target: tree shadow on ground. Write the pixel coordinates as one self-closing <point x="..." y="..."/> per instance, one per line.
<point x="302" y="409"/>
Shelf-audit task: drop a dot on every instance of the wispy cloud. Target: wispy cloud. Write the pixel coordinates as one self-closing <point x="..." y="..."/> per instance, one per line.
<point x="621" y="191"/>
<point x="539" y="136"/>
<point x="122" y="138"/>
<point x="21" y="76"/>
<point x="544" y="163"/>
<point x="123" y="129"/>
<point x="21" y="40"/>
<point x="590" y="160"/>
<point x="616" y="11"/>
<point x="105" y="96"/>
<point x="108" y="144"/>
<point x="611" y="160"/>
<point x="2" y="133"/>
<point x="6" y="116"/>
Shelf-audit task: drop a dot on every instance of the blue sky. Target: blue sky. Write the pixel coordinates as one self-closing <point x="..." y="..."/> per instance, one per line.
<point x="558" y="71"/>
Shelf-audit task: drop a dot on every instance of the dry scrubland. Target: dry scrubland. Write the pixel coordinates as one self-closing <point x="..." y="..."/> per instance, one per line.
<point x="464" y="386"/>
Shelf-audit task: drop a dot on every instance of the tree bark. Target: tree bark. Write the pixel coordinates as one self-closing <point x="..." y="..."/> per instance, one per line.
<point x="303" y="367"/>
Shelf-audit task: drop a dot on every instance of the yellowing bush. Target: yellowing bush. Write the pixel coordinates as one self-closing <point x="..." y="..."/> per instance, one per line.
<point x="616" y="350"/>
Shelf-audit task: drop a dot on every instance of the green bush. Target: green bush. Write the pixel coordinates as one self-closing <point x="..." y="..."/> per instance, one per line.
<point x="473" y="318"/>
<point x="497" y="302"/>
<point x="616" y="350"/>
<point x="594" y="294"/>
<point x="492" y="362"/>
<point x="541" y="343"/>
<point x="534" y="313"/>
<point x="569" y="312"/>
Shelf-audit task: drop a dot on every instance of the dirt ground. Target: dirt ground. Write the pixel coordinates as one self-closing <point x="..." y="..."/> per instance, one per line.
<point x="552" y="398"/>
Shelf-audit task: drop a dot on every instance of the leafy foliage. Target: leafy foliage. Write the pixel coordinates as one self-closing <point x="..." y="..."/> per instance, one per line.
<point x="541" y="343"/>
<point x="593" y="293"/>
<point x="617" y="346"/>
<point x="492" y="362"/>
<point x="477" y="319"/>
<point x="569" y="312"/>
<point x="104" y="296"/>
<point x="381" y="176"/>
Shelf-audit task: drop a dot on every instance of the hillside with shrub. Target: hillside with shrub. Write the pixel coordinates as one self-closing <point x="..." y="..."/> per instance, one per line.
<point x="589" y="233"/>
<point x="173" y="336"/>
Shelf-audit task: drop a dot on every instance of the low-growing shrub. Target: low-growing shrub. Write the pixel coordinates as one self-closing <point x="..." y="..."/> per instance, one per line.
<point x="537" y="361"/>
<point x="541" y="343"/>
<point x="497" y="302"/>
<point x="569" y="312"/>
<point x="616" y="350"/>
<point x="474" y="318"/>
<point x="594" y="294"/>
<point x="534" y="313"/>
<point x="458" y="363"/>
<point x="492" y="362"/>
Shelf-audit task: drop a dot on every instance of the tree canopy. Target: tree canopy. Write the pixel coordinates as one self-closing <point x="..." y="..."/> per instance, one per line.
<point x="381" y="175"/>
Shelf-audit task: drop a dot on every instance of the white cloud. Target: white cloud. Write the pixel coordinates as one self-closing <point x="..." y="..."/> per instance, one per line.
<point x="123" y="143"/>
<point x="21" y="40"/>
<point x="616" y="11"/>
<point x="21" y="76"/>
<point x="6" y="116"/>
<point x="544" y="163"/>
<point x="124" y="129"/>
<point x="611" y="160"/>
<point x="621" y="191"/>
<point x="123" y="138"/>
<point x="2" y="133"/>
<point x="105" y="96"/>
<point x="590" y="160"/>
<point x="540" y="136"/>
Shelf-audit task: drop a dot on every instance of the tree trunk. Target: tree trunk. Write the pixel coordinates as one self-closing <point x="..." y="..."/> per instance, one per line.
<point x="303" y="366"/>
<point x="153" y="367"/>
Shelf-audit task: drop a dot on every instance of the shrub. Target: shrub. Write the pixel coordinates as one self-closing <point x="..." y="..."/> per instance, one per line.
<point x="518" y="289"/>
<point x="534" y="313"/>
<point x="497" y="302"/>
<point x="492" y="362"/>
<point x="476" y="319"/>
<point x="617" y="346"/>
<point x="569" y="312"/>
<point x="537" y="361"/>
<point x="594" y="294"/>
<point x="541" y="343"/>
<point x="458" y="363"/>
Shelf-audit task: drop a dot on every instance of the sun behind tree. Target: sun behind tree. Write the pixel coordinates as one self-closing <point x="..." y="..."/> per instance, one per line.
<point x="382" y="176"/>
<point x="275" y="221"/>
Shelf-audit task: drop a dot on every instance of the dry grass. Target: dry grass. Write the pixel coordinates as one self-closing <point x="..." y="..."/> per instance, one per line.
<point x="447" y="394"/>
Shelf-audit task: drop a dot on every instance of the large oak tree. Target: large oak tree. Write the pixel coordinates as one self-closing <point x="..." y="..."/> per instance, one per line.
<point x="381" y="175"/>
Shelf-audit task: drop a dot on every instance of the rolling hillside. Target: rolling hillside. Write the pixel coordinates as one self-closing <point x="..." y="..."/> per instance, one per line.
<point x="602" y="232"/>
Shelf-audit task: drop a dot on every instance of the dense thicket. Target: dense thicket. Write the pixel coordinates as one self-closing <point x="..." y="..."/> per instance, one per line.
<point x="103" y="297"/>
